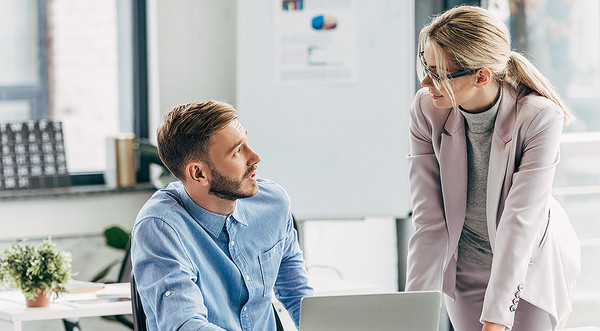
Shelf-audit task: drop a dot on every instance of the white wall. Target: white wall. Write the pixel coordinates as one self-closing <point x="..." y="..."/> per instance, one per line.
<point x="363" y="251"/>
<point x="192" y="53"/>
<point x="69" y="216"/>
<point x="192" y="57"/>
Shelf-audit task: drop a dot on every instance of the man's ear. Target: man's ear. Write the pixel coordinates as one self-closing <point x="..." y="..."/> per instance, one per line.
<point x="483" y="77"/>
<point x="197" y="171"/>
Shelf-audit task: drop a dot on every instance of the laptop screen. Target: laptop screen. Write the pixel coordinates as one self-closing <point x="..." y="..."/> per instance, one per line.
<point x="383" y="311"/>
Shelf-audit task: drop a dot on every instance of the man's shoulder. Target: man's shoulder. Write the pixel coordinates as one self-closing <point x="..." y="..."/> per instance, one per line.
<point x="162" y="203"/>
<point x="270" y="197"/>
<point x="268" y="190"/>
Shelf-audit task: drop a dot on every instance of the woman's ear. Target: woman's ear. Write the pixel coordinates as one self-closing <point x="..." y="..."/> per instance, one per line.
<point x="197" y="171"/>
<point x="483" y="77"/>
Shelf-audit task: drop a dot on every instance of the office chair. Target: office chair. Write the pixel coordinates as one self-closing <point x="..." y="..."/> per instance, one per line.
<point x="124" y="276"/>
<point x="139" y="318"/>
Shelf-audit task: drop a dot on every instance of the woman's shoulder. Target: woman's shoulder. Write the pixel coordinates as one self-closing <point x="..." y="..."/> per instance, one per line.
<point x="535" y="114"/>
<point x="533" y="105"/>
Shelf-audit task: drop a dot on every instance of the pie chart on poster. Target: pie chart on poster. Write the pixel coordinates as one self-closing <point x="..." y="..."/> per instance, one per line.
<point x="324" y="22"/>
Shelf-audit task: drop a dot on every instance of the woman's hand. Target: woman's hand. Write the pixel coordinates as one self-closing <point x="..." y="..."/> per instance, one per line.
<point x="489" y="326"/>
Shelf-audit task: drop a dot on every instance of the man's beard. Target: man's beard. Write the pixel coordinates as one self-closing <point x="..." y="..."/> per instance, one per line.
<point x="230" y="188"/>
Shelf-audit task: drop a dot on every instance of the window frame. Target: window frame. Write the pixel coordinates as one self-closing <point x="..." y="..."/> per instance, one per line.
<point x="38" y="96"/>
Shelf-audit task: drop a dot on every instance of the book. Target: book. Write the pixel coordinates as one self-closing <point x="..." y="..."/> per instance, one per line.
<point x="80" y="286"/>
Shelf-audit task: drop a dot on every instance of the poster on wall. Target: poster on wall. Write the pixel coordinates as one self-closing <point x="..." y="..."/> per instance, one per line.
<point x="315" y="41"/>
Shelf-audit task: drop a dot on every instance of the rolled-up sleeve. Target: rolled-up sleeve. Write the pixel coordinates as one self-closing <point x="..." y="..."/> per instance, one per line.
<point x="166" y="279"/>
<point x="292" y="280"/>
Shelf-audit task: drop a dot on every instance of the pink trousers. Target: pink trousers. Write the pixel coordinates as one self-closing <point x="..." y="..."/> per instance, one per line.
<point x="465" y="310"/>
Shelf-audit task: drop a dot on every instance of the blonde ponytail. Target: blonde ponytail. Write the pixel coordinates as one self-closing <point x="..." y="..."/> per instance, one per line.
<point x="520" y="71"/>
<point x="473" y="38"/>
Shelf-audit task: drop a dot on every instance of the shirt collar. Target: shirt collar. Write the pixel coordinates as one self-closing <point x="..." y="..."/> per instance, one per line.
<point x="212" y="222"/>
<point x="238" y="214"/>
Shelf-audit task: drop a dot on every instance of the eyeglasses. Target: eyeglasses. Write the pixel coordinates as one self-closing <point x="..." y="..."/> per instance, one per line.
<point x="435" y="78"/>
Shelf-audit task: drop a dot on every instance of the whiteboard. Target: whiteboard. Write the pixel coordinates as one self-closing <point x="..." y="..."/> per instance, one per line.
<point x="338" y="149"/>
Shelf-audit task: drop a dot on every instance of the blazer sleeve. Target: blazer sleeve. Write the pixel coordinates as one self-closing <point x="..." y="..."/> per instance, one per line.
<point x="429" y="241"/>
<point x="525" y="212"/>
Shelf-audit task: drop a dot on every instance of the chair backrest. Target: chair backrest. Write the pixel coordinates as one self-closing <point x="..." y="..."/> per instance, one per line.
<point x="125" y="270"/>
<point x="139" y="318"/>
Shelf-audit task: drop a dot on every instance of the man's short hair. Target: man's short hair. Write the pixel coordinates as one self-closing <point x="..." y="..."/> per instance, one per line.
<point x="186" y="131"/>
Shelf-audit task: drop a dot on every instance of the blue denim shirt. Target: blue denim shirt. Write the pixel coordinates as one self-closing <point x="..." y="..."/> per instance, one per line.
<point x="196" y="270"/>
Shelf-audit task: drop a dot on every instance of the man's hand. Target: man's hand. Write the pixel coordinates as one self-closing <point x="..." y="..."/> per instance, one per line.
<point x="489" y="326"/>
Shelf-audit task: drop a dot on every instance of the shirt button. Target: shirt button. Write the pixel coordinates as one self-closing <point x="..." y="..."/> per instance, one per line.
<point x="168" y="293"/>
<point x="247" y="277"/>
<point x="245" y="308"/>
<point x="232" y="242"/>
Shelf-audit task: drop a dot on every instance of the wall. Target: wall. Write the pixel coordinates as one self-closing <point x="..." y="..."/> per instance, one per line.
<point x="192" y="56"/>
<point x="70" y="215"/>
<point x="192" y="53"/>
<point x="363" y="251"/>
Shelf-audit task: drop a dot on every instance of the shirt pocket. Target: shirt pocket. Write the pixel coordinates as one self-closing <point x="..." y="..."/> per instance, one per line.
<point x="269" y="266"/>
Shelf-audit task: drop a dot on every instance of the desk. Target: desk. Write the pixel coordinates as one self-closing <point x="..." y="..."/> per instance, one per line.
<point x="13" y="310"/>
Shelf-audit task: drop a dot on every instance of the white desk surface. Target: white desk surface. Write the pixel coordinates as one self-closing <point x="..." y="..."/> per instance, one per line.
<point x="109" y="301"/>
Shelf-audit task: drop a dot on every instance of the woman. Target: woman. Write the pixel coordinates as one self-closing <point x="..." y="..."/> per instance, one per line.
<point x="484" y="145"/>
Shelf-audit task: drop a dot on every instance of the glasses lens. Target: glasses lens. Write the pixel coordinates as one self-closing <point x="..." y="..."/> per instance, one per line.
<point x="436" y="82"/>
<point x="424" y="70"/>
<point x="421" y="67"/>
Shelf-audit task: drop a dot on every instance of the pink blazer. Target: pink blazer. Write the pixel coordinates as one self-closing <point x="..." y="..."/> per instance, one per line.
<point x="536" y="251"/>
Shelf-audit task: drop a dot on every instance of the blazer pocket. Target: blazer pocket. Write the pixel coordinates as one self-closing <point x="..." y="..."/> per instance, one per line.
<point x="269" y="266"/>
<point x="545" y="233"/>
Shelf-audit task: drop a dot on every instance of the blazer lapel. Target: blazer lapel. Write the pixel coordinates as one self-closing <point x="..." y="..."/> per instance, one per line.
<point x="453" y="174"/>
<point x="499" y="156"/>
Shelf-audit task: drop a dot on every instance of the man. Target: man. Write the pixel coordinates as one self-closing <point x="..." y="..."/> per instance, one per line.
<point x="209" y="250"/>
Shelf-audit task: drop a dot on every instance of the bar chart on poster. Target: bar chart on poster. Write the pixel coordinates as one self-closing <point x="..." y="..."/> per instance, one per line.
<point x="324" y="88"/>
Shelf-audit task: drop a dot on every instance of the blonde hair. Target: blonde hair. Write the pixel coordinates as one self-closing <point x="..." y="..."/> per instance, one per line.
<point x="472" y="38"/>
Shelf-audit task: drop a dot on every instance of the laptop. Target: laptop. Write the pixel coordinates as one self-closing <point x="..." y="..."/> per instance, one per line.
<point x="403" y="311"/>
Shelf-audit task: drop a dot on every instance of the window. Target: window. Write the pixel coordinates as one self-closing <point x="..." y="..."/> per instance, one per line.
<point x="22" y="82"/>
<point x="83" y="78"/>
<point x="72" y="61"/>
<point x="561" y="38"/>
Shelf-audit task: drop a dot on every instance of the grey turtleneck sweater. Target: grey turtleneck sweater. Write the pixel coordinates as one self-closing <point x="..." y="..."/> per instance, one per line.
<point x="474" y="245"/>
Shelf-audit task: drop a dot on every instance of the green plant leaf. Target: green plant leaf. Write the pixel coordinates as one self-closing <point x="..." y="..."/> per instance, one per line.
<point x="149" y="152"/>
<point x="33" y="269"/>
<point x="116" y="237"/>
<point x="104" y="271"/>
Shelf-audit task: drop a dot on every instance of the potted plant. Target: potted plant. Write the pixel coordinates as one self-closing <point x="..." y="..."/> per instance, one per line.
<point x="38" y="271"/>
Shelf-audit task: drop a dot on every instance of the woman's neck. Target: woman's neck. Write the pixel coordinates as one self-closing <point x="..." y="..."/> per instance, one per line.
<point x="485" y="100"/>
